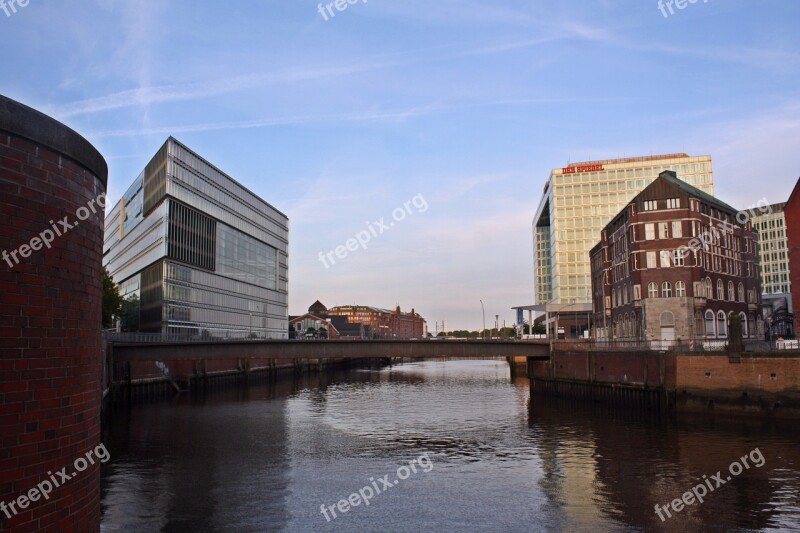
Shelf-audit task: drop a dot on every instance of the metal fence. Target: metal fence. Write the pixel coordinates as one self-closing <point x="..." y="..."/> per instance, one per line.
<point x="698" y="345"/>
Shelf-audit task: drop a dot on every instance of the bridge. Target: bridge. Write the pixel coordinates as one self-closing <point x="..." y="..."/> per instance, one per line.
<point x="327" y="349"/>
<point x="181" y="363"/>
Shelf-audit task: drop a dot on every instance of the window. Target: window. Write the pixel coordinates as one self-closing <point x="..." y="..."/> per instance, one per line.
<point x="651" y="259"/>
<point x="741" y="292"/>
<point x="677" y="229"/>
<point x="677" y="258"/>
<point x="666" y="257"/>
<point x="731" y="292"/>
<point x="650" y="205"/>
<point x="680" y="289"/>
<point x="745" y="329"/>
<point x="720" y="290"/>
<point x="709" y="289"/>
<point x="663" y="230"/>
<point x="652" y="291"/>
<point x="711" y="330"/>
<point x="650" y="232"/>
<point x="722" y="325"/>
<point x="673" y="203"/>
<point x="666" y="289"/>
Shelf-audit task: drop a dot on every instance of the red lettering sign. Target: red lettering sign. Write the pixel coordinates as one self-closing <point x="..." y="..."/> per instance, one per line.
<point x="582" y="168"/>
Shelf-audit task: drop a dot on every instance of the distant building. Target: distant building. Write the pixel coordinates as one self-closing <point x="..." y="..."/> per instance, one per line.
<point x="197" y="254"/>
<point x="578" y="201"/>
<point x="310" y="325"/>
<point x="338" y="327"/>
<point x="773" y="249"/>
<point x="384" y="324"/>
<point x="792" y="214"/>
<point x="675" y="264"/>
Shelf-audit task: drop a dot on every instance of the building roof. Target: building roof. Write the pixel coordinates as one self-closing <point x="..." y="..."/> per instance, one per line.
<point x="317" y="308"/>
<point x="691" y="190"/>
<point x="631" y="160"/>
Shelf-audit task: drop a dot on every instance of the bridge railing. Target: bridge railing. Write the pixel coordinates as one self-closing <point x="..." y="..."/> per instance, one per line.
<point x="145" y="338"/>
<point x="695" y="345"/>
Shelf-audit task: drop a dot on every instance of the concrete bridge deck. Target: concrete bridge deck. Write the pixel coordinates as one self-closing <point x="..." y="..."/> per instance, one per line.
<point x="328" y="349"/>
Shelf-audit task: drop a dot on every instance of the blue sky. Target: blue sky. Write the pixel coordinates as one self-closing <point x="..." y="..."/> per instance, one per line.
<point x="467" y="103"/>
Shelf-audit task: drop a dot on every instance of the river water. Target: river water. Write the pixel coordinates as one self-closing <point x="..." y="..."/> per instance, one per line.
<point x="486" y="457"/>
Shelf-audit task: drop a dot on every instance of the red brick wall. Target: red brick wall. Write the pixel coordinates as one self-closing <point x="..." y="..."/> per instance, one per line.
<point x="792" y="213"/>
<point x="50" y="340"/>
<point x="776" y="374"/>
<point x="752" y="374"/>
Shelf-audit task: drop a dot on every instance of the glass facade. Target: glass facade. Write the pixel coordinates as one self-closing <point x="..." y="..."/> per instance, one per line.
<point x="196" y="254"/>
<point x="246" y="259"/>
<point x="578" y="202"/>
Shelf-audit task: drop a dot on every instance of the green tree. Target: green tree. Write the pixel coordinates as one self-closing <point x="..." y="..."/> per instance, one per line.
<point x="112" y="301"/>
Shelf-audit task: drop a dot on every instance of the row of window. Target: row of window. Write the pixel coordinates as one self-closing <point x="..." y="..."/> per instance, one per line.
<point x="669" y="203"/>
<point x="622" y="295"/>
<point x="711" y="325"/>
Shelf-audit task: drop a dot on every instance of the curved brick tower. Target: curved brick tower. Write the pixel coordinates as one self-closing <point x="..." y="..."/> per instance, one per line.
<point x="50" y="338"/>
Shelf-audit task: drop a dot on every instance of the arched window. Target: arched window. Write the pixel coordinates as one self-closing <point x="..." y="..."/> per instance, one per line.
<point x="613" y="298"/>
<point x="720" y="290"/>
<point x="745" y="329"/>
<point x="709" y="289"/>
<point x="741" y="292"/>
<point x="731" y="292"/>
<point x="711" y="329"/>
<point x="680" y="289"/>
<point x="652" y="290"/>
<point x="666" y="290"/>
<point x="722" y="325"/>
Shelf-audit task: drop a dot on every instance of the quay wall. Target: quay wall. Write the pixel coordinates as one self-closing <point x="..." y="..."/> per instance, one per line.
<point x="682" y="381"/>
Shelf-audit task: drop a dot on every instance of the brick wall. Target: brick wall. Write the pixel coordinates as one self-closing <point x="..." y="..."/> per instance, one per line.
<point x="50" y="351"/>
<point x="715" y="372"/>
<point x="792" y="212"/>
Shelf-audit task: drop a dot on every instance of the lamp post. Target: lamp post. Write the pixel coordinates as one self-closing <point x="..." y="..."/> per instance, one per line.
<point x="483" y="310"/>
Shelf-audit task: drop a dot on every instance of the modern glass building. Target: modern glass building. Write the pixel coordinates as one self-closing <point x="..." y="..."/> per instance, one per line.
<point x="197" y="254"/>
<point x="577" y="203"/>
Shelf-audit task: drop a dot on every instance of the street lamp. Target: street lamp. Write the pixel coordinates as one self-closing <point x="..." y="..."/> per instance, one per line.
<point x="483" y="310"/>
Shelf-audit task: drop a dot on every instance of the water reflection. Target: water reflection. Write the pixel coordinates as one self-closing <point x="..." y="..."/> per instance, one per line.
<point x="265" y="457"/>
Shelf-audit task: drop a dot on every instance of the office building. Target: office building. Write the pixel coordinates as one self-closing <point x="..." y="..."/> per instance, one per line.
<point x="579" y="200"/>
<point x="197" y="254"/>
<point x="773" y="249"/>
<point x="675" y="264"/>
<point x="769" y="223"/>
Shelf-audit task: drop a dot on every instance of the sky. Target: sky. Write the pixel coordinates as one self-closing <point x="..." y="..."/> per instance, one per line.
<point x="452" y="112"/>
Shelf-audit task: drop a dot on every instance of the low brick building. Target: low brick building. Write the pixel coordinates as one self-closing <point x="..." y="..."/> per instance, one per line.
<point x="792" y="213"/>
<point x="675" y="264"/>
<point x="385" y="324"/>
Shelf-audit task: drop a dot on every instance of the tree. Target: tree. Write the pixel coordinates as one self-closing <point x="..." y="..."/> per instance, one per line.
<point x="129" y="313"/>
<point x="112" y="301"/>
